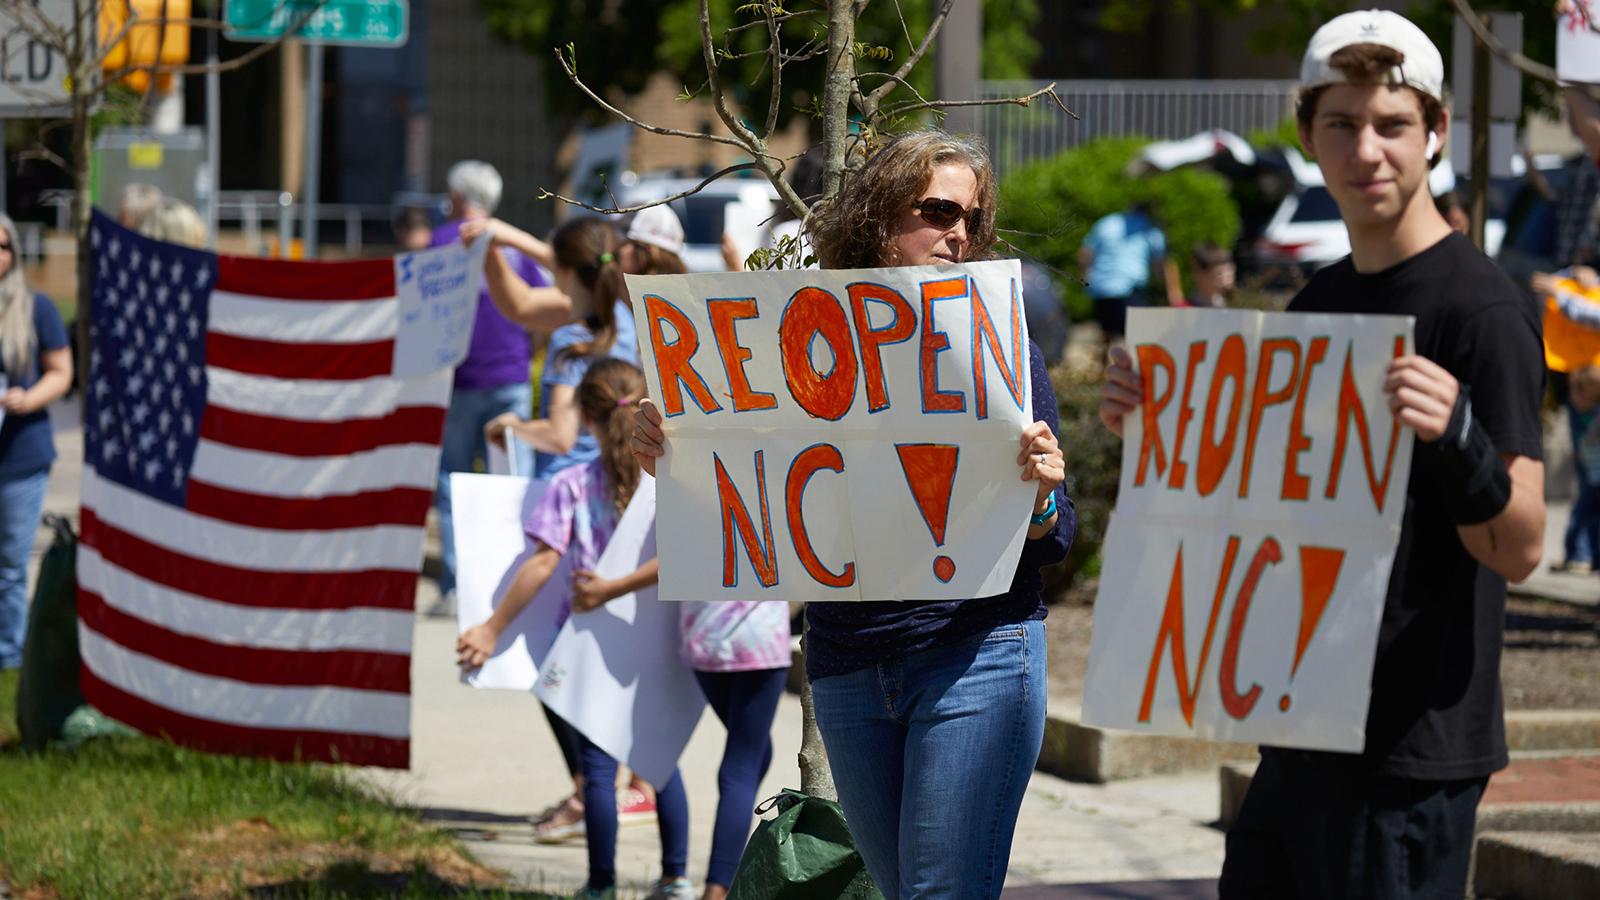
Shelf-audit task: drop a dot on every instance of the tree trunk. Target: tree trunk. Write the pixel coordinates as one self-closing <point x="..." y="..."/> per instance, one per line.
<point x="816" y="778"/>
<point x="80" y="59"/>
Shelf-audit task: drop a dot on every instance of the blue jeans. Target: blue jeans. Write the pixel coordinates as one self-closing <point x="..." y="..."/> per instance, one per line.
<point x="1582" y="540"/>
<point x="470" y="410"/>
<point x="600" y="819"/>
<point x="932" y="754"/>
<point x="21" y="502"/>
<point x="746" y="702"/>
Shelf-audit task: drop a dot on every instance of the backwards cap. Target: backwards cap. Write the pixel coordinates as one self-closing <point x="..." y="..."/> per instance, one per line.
<point x="1421" y="66"/>
<point x="657" y="226"/>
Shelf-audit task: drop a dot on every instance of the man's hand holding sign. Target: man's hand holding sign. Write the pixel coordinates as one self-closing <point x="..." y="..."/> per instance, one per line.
<point x="817" y="419"/>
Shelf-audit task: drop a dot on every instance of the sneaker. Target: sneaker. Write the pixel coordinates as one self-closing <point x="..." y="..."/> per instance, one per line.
<point x="589" y="893"/>
<point x="634" y="807"/>
<point x="561" y="823"/>
<point x="672" y="889"/>
<point x="443" y="608"/>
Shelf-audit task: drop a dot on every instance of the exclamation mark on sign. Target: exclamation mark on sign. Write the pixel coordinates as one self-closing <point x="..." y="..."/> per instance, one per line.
<point x="931" y="473"/>
<point x="1319" y="572"/>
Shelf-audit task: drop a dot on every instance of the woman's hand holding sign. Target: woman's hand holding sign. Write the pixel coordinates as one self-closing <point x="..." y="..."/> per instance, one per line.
<point x="1122" y="390"/>
<point x="649" y="441"/>
<point x="1042" y="461"/>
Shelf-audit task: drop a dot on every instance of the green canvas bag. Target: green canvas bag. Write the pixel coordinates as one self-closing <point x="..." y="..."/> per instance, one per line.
<point x="47" y="691"/>
<point x="803" y="853"/>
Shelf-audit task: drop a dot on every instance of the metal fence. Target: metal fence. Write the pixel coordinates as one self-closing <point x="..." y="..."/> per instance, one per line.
<point x="1157" y="109"/>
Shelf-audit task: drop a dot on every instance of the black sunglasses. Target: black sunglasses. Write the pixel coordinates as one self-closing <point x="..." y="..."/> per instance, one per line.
<point x="6" y="246"/>
<point x="941" y="213"/>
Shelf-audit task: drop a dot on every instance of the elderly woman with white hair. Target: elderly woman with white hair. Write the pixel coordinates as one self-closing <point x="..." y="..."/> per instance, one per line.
<point x="493" y="378"/>
<point x="35" y="371"/>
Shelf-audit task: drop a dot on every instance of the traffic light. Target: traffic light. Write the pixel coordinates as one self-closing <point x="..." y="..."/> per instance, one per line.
<point x="159" y="36"/>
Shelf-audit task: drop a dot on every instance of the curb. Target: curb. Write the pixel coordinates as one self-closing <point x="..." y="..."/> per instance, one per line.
<point x="1081" y="752"/>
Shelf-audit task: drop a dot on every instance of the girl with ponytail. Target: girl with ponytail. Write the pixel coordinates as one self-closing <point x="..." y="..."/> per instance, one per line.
<point x="577" y="515"/>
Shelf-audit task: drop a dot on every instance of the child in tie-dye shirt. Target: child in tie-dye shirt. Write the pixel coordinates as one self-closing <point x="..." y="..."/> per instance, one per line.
<point x="578" y="514"/>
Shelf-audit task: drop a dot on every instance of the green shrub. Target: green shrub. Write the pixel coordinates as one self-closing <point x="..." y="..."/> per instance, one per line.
<point x="1047" y="208"/>
<point x="1094" y="464"/>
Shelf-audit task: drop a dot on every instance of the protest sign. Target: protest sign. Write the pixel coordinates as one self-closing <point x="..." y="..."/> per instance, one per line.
<point x="1247" y="561"/>
<point x="1569" y="346"/>
<point x="489" y="512"/>
<point x="614" y="672"/>
<point x="437" y="290"/>
<point x="839" y="435"/>
<point x="1578" y="45"/>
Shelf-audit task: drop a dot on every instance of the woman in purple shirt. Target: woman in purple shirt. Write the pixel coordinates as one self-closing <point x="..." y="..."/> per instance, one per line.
<point x="932" y="712"/>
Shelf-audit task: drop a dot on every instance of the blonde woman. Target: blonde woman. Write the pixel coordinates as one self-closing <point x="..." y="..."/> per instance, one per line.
<point x="175" y="222"/>
<point x="35" y="371"/>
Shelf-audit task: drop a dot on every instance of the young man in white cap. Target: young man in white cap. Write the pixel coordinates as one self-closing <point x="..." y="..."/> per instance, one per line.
<point x="1397" y="820"/>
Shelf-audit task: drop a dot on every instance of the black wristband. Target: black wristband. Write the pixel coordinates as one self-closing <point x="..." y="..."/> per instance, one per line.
<point x="1481" y="486"/>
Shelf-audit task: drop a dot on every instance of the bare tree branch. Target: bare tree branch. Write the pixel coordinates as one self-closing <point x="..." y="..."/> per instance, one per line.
<point x="1048" y="90"/>
<point x="1530" y="67"/>
<point x="735" y="29"/>
<point x="775" y="101"/>
<point x="619" y="209"/>
<point x="572" y="74"/>
<point x="876" y="97"/>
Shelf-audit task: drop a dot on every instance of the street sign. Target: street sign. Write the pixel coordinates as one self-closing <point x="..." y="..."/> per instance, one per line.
<point x="365" y="23"/>
<point x="33" y="75"/>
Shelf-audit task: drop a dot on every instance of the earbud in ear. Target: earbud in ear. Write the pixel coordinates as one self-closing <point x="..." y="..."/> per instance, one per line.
<point x="1433" y="144"/>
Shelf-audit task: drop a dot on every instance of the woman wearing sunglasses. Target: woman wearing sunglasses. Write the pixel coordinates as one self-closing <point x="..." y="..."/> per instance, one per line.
<point x="932" y="712"/>
<point x="35" y="371"/>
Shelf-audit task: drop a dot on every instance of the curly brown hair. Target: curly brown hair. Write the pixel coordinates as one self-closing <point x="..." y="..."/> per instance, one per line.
<point x="856" y="228"/>
<point x="605" y="397"/>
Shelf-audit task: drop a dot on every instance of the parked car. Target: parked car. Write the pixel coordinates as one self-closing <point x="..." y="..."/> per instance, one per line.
<point x="741" y="207"/>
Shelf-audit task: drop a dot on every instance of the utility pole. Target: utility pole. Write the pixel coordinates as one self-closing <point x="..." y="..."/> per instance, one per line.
<point x="958" y="63"/>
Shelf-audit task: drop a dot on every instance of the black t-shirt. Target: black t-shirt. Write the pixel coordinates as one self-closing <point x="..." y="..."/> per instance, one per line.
<point x="1436" y="709"/>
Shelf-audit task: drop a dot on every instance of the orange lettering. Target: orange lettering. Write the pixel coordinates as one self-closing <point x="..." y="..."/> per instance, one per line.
<point x="1172" y="630"/>
<point x="983" y="332"/>
<point x="1214" y="456"/>
<point x="872" y="339"/>
<point x="1238" y="705"/>
<point x="812" y="312"/>
<point x="935" y="342"/>
<point x="1151" y="357"/>
<point x="723" y="314"/>
<point x="1350" y="409"/>
<point x="811" y="460"/>
<point x="734" y="515"/>
<point x="1180" y="469"/>
<point x="674" y="361"/>
<point x="1263" y="396"/>
<point x="1295" y="485"/>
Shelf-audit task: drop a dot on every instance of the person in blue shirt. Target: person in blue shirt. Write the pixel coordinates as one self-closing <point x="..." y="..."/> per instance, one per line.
<point x="35" y="371"/>
<point x="1119" y="256"/>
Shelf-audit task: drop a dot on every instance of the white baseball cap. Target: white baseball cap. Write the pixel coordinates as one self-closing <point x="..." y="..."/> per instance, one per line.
<point x="659" y="227"/>
<point x="1421" y="66"/>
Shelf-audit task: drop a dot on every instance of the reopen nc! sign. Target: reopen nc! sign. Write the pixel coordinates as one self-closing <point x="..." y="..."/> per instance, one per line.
<point x="1247" y="561"/>
<point x="839" y="435"/>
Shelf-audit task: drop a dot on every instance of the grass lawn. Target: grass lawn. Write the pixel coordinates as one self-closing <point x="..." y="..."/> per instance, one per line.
<point x="134" y="817"/>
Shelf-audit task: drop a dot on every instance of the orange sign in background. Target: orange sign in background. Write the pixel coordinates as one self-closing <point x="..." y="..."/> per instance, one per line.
<point x="1569" y="346"/>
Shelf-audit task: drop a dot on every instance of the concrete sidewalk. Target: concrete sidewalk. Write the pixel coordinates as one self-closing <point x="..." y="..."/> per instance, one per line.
<point x="483" y="761"/>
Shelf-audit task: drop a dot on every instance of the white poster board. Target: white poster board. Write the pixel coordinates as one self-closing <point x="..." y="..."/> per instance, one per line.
<point x="614" y="672"/>
<point x="839" y="435"/>
<point x="489" y="512"/>
<point x="1247" y="561"/>
<point x="437" y="290"/>
<point x="1577" y="45"/>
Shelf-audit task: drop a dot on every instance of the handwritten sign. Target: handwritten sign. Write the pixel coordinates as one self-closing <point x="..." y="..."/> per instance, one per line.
<point x="1577" y="45"/>
<point x="438" y="296"/>
<point x="839" y="435"/>
<point x="1247" y="561"/>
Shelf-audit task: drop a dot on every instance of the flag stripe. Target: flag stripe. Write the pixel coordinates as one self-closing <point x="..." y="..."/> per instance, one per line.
<point x="363" y="279"/>
<point x="248" y="431"/>
<point x="406" y="465"/>
<point x="361" y="669"/>
<point x="358" y="628"/>
<point x="249" y="587"/>
<point x="216" y="737"/>
<point x="324" y="401"/>
<point x="347" y="322"/>
<point x="277" y="359"/>
<point x="382" y="547"/>
<point x="381" y="713"/>
<point x="399" y="506"/>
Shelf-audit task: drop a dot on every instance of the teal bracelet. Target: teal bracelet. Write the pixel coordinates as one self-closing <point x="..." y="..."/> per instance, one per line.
<point x="1049" y="510"/>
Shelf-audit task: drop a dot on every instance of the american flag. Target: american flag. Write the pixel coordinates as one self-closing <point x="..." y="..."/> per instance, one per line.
<point x="256" y="478"/>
